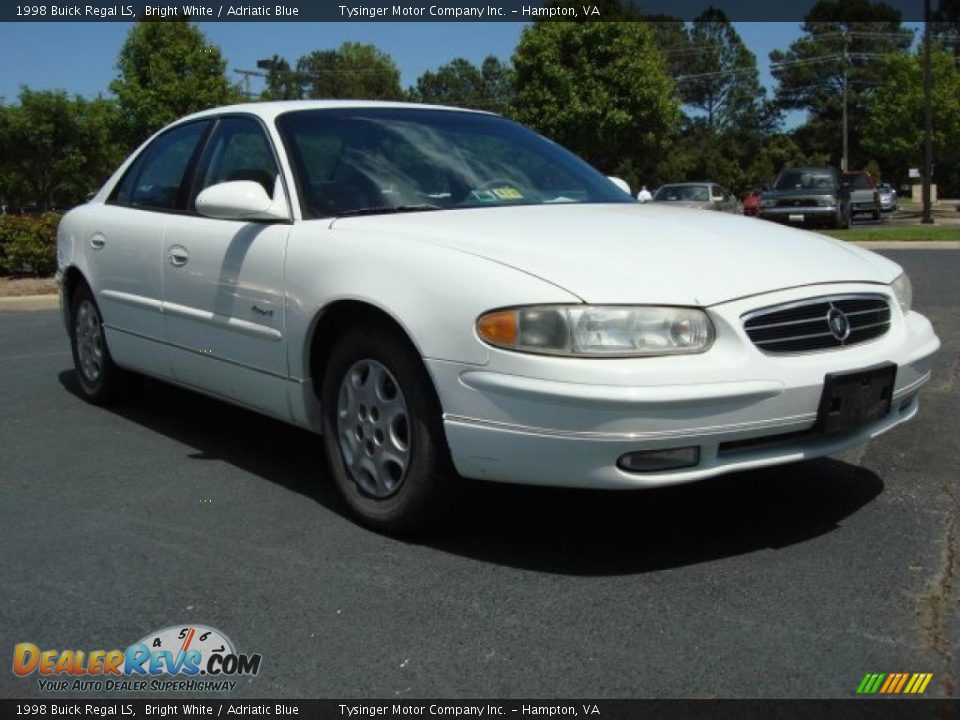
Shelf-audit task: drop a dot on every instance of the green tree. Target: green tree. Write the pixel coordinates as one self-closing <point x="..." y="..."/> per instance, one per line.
<point x="283" y="82"/>
<point x="599" y="88"/>
<point x="721" y="77"/>
<point x="673" y="42"/>
<point x="779" y="151"/>
<point x="167" y="69"/>
<point x="463" y="84"/>
<point x="837" y="33"/>
<point x="54" y="149"/>
<point x="893" y="128"/>
<point x="946" y="25"/>
<point x="354" y="70"/>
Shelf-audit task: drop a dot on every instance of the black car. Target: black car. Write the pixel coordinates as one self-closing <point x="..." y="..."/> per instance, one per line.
<point x="807" y="196"/>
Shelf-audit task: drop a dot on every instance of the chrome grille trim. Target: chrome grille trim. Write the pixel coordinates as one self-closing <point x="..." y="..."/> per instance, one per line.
<point x="802" y="326"/>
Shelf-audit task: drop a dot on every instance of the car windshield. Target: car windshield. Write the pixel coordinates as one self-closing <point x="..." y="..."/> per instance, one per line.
<point x="683" y="193"/>
<point x="806" y="180"/>
<point x="365" y="161"/>
<point x="858" y="181"/>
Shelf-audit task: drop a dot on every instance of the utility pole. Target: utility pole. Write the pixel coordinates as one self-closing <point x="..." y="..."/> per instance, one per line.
<point x="844" y="158"/>
<point x="246" y="80"/>
<point x="927" y="116"/>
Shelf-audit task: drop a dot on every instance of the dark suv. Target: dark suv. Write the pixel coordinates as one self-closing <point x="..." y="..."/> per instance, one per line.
<point x="807" y="196"/>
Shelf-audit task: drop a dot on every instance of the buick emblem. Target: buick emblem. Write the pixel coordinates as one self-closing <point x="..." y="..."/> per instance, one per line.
<point x="839" y="324"/>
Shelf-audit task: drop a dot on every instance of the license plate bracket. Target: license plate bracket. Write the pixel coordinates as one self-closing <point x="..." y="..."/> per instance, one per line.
<point x="853" y="399"/>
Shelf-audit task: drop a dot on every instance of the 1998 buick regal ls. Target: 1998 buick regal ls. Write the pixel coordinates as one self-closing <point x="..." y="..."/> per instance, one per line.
<point x="439" y="291"/>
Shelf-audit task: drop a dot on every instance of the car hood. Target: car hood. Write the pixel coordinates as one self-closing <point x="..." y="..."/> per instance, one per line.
<point x="638" y="253"/>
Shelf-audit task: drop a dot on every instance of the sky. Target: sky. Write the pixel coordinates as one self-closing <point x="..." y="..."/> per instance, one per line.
<point x="80" y="57"/>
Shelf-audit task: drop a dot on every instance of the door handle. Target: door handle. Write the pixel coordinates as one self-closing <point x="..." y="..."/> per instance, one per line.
<point x="178" y="256"/>
<point x="97" y="242"/>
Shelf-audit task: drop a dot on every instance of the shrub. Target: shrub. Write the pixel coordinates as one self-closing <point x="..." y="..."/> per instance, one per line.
<point x="28" y="244"/>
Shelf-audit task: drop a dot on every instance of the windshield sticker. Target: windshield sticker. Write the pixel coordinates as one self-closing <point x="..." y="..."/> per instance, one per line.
<point x="484" y="196"/>
<point x="507" y="193"/>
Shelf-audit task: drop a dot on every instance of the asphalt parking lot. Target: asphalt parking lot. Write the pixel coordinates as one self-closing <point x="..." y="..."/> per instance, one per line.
<point x="173" y="508"/>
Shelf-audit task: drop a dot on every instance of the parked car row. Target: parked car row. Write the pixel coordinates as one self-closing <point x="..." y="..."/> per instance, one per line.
<point x="819" y="196"/>
<point x="805" y="196"/>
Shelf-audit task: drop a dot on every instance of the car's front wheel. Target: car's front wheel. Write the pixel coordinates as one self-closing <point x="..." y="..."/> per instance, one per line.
<point x="383" y="430"/>
<point x="100" y="378"/>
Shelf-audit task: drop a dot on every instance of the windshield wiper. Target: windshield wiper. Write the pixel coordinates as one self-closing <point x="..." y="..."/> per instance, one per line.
<point x="388" y="210"/>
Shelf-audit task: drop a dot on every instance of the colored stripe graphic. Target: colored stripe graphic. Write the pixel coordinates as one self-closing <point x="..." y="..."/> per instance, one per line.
<point x="870" y="683"/>
<point x="894" y="683"/>
<point x="891" y="680"/>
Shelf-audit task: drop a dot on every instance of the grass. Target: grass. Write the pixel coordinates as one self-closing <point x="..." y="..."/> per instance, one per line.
<point x="909" y="233"/>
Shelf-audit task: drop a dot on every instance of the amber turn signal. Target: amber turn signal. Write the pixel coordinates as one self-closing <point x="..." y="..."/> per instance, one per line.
<point x="499" y="328"/>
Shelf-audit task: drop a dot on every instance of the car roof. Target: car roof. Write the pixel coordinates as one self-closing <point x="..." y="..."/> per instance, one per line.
<point x="270" y="110"/>
<point x="686" y="184"/>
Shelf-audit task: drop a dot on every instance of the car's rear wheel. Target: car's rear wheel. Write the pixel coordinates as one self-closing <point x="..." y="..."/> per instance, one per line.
<point x="99" y="377"/>
<point x="383" y="431"/>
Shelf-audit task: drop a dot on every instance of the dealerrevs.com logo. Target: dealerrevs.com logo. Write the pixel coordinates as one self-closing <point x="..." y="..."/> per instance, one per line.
<point x="188" y="658"/>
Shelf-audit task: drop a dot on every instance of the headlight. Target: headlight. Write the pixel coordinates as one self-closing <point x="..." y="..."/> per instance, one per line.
<point x="598" y="331"/>
<point x="767" y="203"/>
<point x="903" y="291"/>
<point x="826" y="202"/>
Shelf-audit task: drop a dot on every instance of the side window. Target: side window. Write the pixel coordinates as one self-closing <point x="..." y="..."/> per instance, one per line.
<point x="238" y="150"/>
<point x="155" y="181"/>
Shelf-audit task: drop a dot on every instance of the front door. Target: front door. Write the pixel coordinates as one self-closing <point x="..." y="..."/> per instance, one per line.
<point x="223" y="281"/>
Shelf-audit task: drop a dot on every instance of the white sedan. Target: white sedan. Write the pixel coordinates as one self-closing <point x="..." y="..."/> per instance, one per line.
<point x="443" y="292"/>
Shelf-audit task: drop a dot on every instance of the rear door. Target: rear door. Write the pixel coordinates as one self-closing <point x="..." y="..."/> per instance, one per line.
<point x="124" y="242"/>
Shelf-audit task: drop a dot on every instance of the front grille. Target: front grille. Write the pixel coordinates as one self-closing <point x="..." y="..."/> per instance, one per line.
<point x="804" y="326"/>
<point x="797" y="202"/>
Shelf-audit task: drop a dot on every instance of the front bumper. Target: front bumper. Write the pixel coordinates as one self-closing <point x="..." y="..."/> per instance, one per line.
<point x="800" y="215"/>
<point x="555" y="421"/>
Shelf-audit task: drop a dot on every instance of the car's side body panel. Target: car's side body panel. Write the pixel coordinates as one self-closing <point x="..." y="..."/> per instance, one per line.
<point x="225" y="306"/>
<point x="432" y="293"/>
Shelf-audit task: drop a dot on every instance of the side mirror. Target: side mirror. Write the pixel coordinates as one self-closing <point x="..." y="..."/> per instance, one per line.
<point x="620" y="183"/>
<point x="242" y="200"/>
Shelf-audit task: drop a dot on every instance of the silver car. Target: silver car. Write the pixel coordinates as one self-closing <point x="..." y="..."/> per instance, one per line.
<point x="888" y="197"/>
<point x="702" y="196"/>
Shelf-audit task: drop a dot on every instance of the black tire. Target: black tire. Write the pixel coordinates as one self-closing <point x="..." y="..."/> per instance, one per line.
<point x="424" y="489"/>
<point x="876" y="214"/>
<point x="100" y="380"/>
